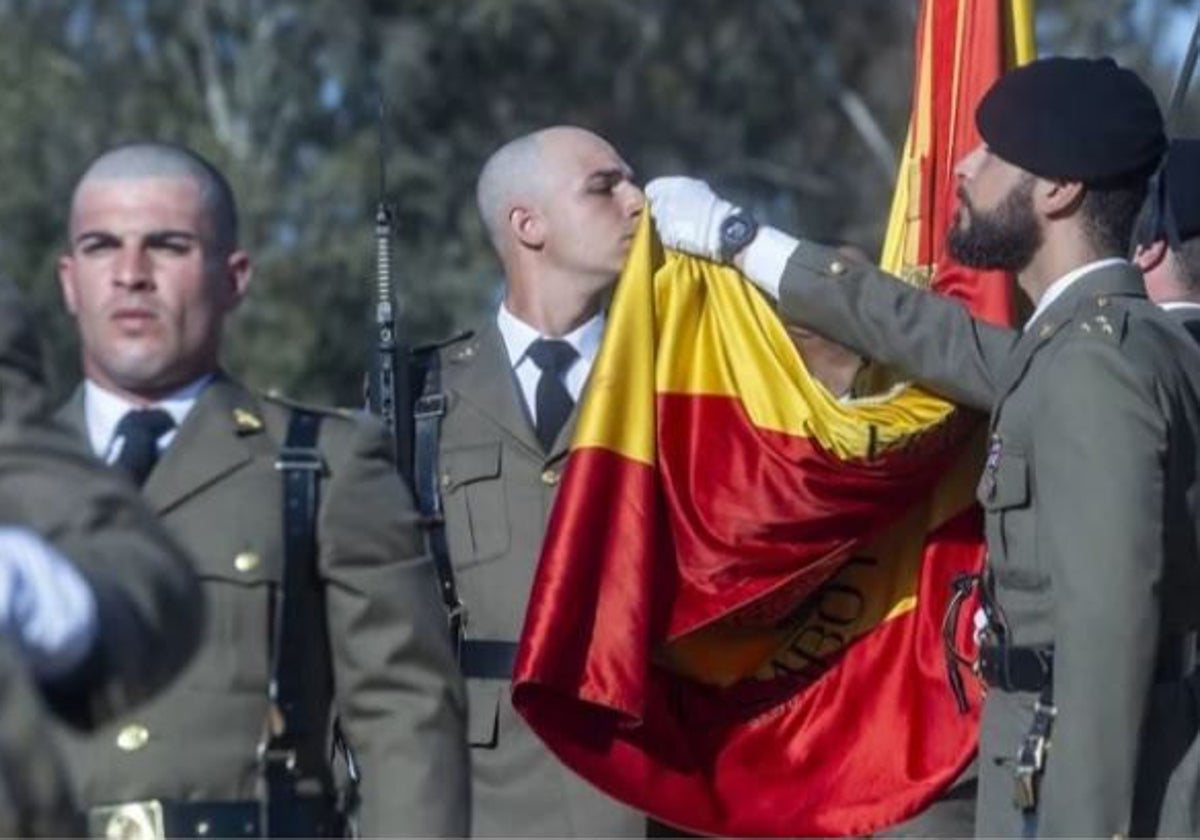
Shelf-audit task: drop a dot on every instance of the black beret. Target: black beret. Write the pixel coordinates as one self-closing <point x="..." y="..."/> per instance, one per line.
<point x="1081" y="119"/>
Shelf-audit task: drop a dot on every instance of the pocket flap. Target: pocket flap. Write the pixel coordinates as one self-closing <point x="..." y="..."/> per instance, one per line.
<point x="1006" y="484"/>
<point x="470" y="463"/>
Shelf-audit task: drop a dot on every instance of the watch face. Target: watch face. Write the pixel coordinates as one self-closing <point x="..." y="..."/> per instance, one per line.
<point x="736" y="232"/>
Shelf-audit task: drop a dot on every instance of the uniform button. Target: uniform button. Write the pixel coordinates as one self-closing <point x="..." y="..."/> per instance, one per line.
<point x="202" y="828"/>
<point x="550" y="477"/>
<point x="1102" y="301"/>
<point x="247" y="561"/>
<point x="132" y="737"/>
<point x="1045" y="330"/>
<point x="837" y="267"/>
<point x="445" y="479"/>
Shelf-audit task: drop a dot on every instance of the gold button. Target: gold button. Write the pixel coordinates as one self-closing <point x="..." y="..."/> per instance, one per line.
<point x="1045" y="330"/>
<point x="550" y="477"/>
<point x="247" y="561"/>
<point x="837" y="267"/>
<point x="132" y="737"/>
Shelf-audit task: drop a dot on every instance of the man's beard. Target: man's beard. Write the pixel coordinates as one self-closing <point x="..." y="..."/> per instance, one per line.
<point x="1004" y="239"/>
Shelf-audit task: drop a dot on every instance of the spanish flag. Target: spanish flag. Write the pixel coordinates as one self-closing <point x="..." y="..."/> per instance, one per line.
<point x="736" y="624"/>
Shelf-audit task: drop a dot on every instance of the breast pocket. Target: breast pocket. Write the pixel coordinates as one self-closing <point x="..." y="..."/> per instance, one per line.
<point x="1005" y="493"/>
<point x="475" y="503"/>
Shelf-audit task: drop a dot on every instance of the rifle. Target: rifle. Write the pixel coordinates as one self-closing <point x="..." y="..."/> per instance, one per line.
<point x="389" y="394"/>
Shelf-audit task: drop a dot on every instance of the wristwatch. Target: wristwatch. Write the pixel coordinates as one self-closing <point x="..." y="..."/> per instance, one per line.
<point x="737" y="231"/>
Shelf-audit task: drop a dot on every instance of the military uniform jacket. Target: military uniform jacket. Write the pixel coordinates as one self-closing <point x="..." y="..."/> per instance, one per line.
<point x="1187" y="315"/>
<point x="149" y="607"/>
<point x="497" y="489"/>
<point x="382" y="655"/>
<point x="1090" y="507"/>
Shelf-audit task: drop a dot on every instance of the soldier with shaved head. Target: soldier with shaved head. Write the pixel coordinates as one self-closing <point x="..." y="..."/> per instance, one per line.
<point x="560" y="208"/>
<point x="322" y="601"/>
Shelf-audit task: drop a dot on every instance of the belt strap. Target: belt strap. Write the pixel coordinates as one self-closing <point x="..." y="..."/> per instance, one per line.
<point x="299" y="605"/>
<point x="488" y="659"/>
<point x="157" y="818"/>
<point x="428" y="411"/>
<point x="1015" y="668"/>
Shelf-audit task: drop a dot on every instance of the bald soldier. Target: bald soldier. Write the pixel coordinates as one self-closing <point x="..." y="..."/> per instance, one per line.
<point x="1092" y="589"/>
<point x="1168" y="241"/>
<point x="99" y="608"/>
<point x="331" y="607"/>
<point x="560" y="207"/>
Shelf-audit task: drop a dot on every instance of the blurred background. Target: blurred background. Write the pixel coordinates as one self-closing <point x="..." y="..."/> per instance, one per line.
<point x="796" y="108"/>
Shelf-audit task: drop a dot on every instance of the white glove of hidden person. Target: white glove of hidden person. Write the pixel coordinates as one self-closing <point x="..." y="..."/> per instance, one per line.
<point x="688" y="216"/>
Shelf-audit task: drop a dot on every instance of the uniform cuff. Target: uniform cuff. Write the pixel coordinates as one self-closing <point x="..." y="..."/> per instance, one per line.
<point x="766" y="258"/>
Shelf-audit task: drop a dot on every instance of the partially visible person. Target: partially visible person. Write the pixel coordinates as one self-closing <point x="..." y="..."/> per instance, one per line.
<point x="1168" y="239"/>
<point x="325" y="619"/>
<point x="560" y="207"/>
<point x="99" y="608"/>
<point x="1091" y="485"/>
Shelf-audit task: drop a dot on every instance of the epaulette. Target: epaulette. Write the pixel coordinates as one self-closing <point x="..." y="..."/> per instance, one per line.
<point x="276" y="396"/>
<point x="1098" y="317"/>
<point x="422" y="349"/>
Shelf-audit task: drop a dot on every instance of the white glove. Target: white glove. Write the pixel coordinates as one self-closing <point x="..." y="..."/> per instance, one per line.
<point x="45" y="603"/>
<point x="688" y="215"/>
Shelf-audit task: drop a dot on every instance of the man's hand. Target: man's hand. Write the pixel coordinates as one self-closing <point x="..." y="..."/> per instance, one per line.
<point x="688" y="215"/>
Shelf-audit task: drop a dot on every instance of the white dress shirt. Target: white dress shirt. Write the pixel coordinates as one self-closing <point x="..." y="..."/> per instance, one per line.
<point x="103" y="410"/>
<point x="518" y="336"/>
<point x="1055" y="290"/>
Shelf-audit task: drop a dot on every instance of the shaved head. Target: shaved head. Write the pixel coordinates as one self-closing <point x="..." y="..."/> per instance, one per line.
<point x="136" y="161"/>
<point x="523" y="171"/>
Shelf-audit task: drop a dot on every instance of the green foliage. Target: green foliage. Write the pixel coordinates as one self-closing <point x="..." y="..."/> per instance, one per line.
<point x="795" y="108"/>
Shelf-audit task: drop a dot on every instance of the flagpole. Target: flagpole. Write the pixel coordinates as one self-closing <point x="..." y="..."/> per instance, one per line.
<point x="1179" y="93"/>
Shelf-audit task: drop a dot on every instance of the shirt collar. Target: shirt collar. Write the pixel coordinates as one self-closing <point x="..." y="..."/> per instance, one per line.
<point x="518" y="335"/>
<point x="1056" y="289"/>
<point x="103" y="410"/>
<point x="1168" y="305"/>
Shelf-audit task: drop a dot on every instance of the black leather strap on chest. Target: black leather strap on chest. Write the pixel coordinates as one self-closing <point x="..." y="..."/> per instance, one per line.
<point x="299" y="606"/>
<point x="428" y="411"/>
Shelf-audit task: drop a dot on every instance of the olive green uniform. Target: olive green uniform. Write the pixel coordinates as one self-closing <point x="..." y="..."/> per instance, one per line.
<point x="149" y="605"/>
<point x="381" y="657"/>
<point x="1090" y="496"/>
<point x="497" y="487"/>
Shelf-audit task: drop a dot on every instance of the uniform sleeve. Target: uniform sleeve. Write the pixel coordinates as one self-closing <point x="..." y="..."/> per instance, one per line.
<point x="399" y="692"/>
<point x="149" y="608"/>
<point x="931" y="338"/>
<point x="1099" y="447"/>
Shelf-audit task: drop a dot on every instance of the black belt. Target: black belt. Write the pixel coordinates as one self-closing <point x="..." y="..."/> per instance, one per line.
<point x="1017" y="668"/>
<point x="488" y="659"/>
<point x="153" y="819"/>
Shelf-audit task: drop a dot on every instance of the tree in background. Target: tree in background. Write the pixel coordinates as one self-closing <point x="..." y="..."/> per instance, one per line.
<point x="795" y="108"/>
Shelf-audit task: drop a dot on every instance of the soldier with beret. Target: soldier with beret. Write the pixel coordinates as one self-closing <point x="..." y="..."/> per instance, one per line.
<point x="1092" y="588"/>
<point x="1168" y="238"/>
<point x="322" y="601"/>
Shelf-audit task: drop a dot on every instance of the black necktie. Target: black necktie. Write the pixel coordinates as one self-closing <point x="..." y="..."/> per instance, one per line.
<point x="139" y="431"/>
<point x="554" y="402"/>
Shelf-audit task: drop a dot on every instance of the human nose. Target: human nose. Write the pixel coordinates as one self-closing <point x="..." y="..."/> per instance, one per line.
<point x="634" y="200"/>
<point x="968" y="164"/>
<point x="132" y="269"/>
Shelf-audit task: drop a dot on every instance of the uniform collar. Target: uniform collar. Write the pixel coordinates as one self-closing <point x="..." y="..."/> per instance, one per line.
<point x="103" y="410"/>
<point x="1060" y="286"/>
<point x="518" y="335"/>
